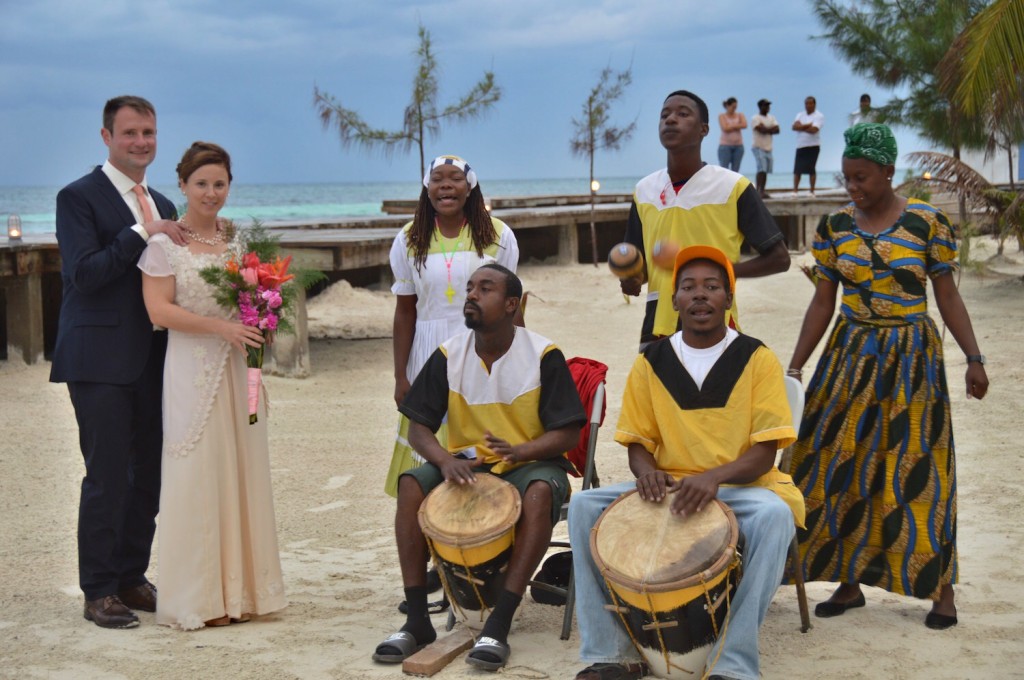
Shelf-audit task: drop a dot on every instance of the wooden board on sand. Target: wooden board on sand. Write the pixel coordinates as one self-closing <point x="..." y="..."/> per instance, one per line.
<point x="439" y="653"/>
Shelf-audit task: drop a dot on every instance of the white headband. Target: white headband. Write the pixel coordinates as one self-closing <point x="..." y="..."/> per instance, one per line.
<point x="451" y="160"/>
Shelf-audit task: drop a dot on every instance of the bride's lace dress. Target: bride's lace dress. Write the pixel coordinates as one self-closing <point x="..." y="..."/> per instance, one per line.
<point x="217" y="551"/>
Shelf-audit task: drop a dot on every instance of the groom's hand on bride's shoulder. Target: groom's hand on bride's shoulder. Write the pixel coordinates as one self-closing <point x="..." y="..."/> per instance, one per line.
<point x="174" y="230"/>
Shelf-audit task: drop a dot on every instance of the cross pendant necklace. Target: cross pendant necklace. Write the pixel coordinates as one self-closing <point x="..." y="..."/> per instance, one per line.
<point x="450" y="292"/>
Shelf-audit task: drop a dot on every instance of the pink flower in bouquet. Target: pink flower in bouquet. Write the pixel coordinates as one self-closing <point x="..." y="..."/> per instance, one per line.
<point x="269" y="322"/>
<point x="272" y="297"/>
<point x="247" y="313"/>
<point x="250" y="275"/>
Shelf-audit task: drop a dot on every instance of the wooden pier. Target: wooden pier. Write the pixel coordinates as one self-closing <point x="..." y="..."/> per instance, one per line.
<point x="553" y="229"/>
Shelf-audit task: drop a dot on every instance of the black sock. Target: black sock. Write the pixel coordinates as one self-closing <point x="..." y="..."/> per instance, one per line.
<point x="500" y="620"/>
<point x="417" y="619"/>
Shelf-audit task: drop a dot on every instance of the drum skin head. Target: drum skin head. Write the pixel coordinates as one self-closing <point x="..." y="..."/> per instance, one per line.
<point x="643" y="543"/>
<point x="468" y="515"/>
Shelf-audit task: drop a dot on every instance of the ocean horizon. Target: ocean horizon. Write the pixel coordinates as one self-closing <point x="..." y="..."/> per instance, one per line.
<point x="272" y="203"/>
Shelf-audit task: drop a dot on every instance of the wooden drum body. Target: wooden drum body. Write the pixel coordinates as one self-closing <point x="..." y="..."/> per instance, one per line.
<point x="470" y="531"/>
<point x="670" y="578"/>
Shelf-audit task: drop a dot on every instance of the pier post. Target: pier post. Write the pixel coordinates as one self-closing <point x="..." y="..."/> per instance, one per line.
<point x="289" y="355"/>
<point x="568" y="243"/>
<point x="25" y="315"/>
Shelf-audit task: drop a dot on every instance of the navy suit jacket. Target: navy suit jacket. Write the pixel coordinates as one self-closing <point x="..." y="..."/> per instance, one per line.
<point x="104" y="332"/>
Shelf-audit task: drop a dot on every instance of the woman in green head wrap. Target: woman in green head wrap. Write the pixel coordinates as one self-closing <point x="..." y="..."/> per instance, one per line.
<point x="872" y="141"/>
<point x="875" y="458"/>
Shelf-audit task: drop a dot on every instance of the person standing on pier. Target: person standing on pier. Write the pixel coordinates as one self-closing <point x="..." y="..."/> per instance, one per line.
<point x="765" y="126"/>
<point x="432" y="258"/>
<point x="864" y="112"/>
<point x="692" y="203"/>
<point x="112" y="360"/>
<point x="807" y="125"/>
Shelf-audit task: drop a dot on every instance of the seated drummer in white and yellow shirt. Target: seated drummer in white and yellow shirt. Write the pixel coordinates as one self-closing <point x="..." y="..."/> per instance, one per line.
<point x="511" y="400"/>
<point x="703" y="415"/>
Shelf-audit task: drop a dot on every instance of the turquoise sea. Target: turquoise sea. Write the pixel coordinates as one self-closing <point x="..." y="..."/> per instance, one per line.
<point x="271" y="203"/>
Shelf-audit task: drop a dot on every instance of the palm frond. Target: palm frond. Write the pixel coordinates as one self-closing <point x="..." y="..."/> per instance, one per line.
<point x="945" y="167"/>
<point x="982" y="67"/>
<point x="1015" y="215"/>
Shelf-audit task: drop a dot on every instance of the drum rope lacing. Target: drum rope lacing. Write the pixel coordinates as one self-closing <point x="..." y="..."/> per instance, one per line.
<point x="470" y="578"/>
<point x="620" y="609"/>
<point x="733" y="566"/>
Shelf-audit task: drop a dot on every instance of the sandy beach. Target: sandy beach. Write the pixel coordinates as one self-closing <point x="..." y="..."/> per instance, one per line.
<point x="331" y="437"/>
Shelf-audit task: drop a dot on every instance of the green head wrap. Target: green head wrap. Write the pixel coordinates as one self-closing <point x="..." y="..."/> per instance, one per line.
<point x="872" y="141"/>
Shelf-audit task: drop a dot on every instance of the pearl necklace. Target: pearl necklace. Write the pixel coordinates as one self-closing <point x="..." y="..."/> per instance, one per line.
<point x="217" y="239"/>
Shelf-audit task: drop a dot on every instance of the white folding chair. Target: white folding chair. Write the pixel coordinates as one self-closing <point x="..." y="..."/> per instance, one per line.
<point x="795" y="396"/>
<point x="589" y="478"/>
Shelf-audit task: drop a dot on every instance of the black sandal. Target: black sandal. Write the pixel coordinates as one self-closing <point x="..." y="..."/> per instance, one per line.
<point x="397" y="648"/>
<point x="937" y="621"/>
<point x="613" y="671"/>
<point x="830" y="608"/>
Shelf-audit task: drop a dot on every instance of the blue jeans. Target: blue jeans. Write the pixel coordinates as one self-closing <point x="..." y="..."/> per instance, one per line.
<point x="730" y="156"/>
<point x="766" y="523"/>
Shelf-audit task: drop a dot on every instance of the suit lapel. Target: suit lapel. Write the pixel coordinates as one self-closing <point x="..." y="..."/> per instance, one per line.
<point x="106" y="189"/>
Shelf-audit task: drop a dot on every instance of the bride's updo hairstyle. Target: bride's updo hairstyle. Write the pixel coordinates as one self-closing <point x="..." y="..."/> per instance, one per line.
<point x="200" y="154"/>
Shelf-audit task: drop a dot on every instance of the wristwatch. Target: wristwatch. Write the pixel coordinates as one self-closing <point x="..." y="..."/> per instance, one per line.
<point x="980" y="358"/>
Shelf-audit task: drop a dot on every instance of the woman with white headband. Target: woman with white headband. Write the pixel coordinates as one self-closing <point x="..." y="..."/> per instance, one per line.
<point x="432" y="258"/>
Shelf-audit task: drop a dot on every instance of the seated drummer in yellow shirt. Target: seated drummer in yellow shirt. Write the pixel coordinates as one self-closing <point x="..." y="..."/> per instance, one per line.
<point x="510" y="399"/>
<point x="703" y="415"/>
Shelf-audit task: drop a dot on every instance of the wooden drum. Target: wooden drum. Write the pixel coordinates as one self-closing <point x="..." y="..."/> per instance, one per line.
<point x="470" y="530"/>
<point x="670" y="578"/>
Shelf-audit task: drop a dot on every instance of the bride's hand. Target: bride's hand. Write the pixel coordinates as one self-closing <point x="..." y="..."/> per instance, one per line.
<point x="240" y="336"/>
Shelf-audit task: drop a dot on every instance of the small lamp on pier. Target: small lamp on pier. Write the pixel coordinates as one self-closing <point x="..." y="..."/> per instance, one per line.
<point x="595" y="186"/>
<point x="14" y="229"/>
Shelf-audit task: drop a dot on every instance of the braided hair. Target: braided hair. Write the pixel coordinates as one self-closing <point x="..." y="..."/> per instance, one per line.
<point x="422" y="230"/>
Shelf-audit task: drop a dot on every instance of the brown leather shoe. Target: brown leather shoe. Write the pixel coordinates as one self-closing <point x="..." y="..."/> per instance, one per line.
<point x="110" y="612"/>
<point x="141" y="597"/>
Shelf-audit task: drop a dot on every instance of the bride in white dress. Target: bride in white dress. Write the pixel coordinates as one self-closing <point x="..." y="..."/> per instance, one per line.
<point x="217" y="557"/>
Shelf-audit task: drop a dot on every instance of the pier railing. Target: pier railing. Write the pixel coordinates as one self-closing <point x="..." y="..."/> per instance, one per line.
<point x="553" y="229"/>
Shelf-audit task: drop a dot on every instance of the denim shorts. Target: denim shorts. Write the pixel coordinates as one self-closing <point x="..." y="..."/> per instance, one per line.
<point x="764" y="160"/>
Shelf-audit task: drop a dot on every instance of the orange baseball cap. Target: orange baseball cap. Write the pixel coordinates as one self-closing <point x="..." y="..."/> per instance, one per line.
<point x="703" y="253"/>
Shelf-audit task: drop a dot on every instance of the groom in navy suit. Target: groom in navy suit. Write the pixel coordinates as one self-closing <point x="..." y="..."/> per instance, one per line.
<point x="112" y="360"/>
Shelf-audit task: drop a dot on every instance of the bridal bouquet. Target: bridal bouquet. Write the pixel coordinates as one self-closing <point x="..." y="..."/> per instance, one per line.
<point x="255" y="282"/>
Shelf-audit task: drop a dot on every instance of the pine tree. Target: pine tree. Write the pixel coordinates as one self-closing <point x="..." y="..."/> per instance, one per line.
<point x="422" y="118"/>
<point x="592" y="131"/>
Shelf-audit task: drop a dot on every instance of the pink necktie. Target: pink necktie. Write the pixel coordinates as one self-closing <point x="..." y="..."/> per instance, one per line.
<point x="140" y="193"/>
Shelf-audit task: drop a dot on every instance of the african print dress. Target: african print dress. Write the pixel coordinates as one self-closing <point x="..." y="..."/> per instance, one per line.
<point x="875" y="454"/>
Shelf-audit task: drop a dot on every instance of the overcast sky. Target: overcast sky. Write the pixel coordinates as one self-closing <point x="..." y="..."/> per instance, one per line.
<point x="241" y="73"/>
